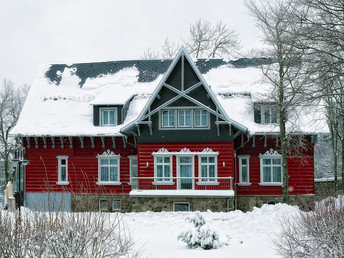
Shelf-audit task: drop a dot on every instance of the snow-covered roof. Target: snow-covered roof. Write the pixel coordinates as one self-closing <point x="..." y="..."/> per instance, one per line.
<point x="61" y="99"/>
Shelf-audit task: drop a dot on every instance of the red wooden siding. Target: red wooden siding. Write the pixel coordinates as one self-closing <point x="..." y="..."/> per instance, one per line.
<point x="41" y="172"/>
<point x="226" y="154"/>
<point x="300" y="166"/>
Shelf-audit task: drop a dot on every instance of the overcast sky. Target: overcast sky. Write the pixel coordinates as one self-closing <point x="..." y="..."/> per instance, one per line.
<point x="67" y="31"/>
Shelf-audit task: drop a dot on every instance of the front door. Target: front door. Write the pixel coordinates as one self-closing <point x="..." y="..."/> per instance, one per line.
<point x="185" y="170"/>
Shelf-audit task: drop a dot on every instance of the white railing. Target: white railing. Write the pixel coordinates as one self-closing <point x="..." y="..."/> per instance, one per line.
<point x="182" y="183"/>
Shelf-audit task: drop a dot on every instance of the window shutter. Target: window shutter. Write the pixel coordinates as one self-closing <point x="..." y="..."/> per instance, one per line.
<point x="257" y="115"/>
<point x="95" y="116"/>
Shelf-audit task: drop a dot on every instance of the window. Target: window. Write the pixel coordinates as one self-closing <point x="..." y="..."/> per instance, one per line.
<point x="163" y="168"/>
<point x="208" y="168"/>
<point x="184" y="118"/>
<point x="271" y="168"/>
<point x="133" y="169"/>
<point x="185" y="169"/>
<point x="168" y="118"/>
<point x="266" y="113"/>
<point x="181" y="206"/>
<point x="244" y="171"/>
<point x="201" y="118"/>
<point x="269" y="115"/>
<point x="116" y="205"/>
<point x="108" y="116"/>
<point x="103" y="205"/>
<point x="108" y="168"/>
<point x="62" y="170"/>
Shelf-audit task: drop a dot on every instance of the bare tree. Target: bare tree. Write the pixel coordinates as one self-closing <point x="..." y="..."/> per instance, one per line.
<point x="204" y="41"/>
<point x="276" y="21"/>
<point x="150" y="54"/>
<point x="169" y="49"/>
<point x="322" y="39"/>
<point x="224" y="41"/>
<point x="200" y="37"/>
<point x="11" y="103"/>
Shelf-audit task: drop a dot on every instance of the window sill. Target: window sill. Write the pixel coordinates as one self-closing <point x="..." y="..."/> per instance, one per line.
<point x="109" y="183"/>
<point x="270" y="184"/>
<point x="62" y="183"/>
<point x="207" y="183"/>
<point x="244" y="184"/>
<point x="163" y="183"/>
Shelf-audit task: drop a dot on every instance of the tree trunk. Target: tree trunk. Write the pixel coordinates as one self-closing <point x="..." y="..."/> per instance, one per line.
<point x="342" y="149"/>
<point x="285" y="187"/>
<point x="334" y="143"/>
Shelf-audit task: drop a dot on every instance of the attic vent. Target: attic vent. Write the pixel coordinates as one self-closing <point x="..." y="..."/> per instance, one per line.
<point x="231" y="95"/>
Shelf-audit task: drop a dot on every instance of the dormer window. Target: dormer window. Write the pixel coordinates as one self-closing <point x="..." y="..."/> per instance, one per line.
<point x="108" y="116"/>
<point x="265" y="113"/>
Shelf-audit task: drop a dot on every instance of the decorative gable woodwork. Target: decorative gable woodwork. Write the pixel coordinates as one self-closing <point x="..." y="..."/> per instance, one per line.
<point x="183" y="86"/>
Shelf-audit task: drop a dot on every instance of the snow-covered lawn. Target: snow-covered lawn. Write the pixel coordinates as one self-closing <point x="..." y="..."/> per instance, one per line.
<point x="248" y="234"/>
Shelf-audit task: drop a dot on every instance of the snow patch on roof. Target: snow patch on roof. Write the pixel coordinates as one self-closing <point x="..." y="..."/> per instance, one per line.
<point x="67" y="108"/>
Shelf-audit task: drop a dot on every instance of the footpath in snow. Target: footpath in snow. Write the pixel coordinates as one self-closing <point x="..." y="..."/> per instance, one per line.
<point x="248" y="234"/>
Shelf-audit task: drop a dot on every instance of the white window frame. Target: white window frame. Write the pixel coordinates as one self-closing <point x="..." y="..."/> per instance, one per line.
<point x="270" y="154"/>
<point x="271" y="109"/>
<point x="247" y="158"/>
<point x="120" y="205"/>
<point x="168" y="118"/>
<point x="165" y="181"/>
<point x="182" y="155"/>
<point x="176" y="119"/>
<point x="188" y="203"/>
<point x="108" y="109"/>
<point x="201" y="119"/>
<point x="107" y="204"/>
<point x="191" y="116"/>
<point x="59" y="181"/>
<point x="207" y="181"/>
<point x="109" y="155"/>
<point x="131" y="158"/>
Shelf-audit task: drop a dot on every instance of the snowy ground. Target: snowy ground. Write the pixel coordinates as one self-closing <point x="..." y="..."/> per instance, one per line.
<point x="248" y="234"/>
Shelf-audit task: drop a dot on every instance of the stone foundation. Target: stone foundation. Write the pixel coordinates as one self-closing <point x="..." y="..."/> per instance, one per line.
<point x="90" y="202"/>
<point x="247" y="202"/>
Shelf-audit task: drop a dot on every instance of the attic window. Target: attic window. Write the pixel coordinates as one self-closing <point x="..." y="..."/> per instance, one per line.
<point x="184" y="118"/>
<point x="108" y="116"/>
<point x="266" y="113"/>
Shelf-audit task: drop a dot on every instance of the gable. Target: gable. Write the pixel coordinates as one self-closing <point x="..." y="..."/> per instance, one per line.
<point x="183" y="85"/>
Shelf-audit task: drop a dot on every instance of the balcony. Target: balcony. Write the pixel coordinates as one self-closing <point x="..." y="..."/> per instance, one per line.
<point x="182" y="186"/>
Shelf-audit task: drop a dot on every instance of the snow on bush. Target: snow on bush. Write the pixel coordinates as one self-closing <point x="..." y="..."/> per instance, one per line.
<point x="63" y="234"/>
<point x="319" y="233"/>
<point x="200" y="235"/>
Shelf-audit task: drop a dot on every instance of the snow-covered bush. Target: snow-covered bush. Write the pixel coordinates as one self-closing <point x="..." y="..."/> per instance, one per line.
<point x="319" y="233"/>
<point x="63" y="234"/>
<point x="200" y="235"/>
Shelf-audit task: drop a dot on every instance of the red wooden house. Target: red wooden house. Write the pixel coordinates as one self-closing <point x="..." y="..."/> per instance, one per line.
<point x="160" y="135"/>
